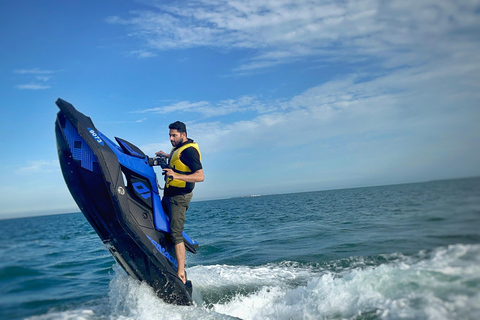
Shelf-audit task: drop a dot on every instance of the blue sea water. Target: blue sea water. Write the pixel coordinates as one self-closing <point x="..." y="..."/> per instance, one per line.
<point x="407" y="251"/>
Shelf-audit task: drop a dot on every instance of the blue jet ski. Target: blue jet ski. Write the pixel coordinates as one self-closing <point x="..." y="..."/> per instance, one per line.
<point x="116" y="188"/>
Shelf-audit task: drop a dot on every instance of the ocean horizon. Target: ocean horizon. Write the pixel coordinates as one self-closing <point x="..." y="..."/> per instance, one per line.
<point x="48" y="212"/>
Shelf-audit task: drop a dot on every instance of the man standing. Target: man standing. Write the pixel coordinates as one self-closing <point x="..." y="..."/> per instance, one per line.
<point x="184" y="169"/>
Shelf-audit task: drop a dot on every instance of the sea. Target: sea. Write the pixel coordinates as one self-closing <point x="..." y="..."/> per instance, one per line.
<point x="409" y="251"/>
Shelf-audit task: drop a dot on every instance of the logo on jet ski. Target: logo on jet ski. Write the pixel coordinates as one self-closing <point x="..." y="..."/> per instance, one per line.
<point x="142" y="190"/>
<point x="164" y="252"/>
<point x="95" y="136"/>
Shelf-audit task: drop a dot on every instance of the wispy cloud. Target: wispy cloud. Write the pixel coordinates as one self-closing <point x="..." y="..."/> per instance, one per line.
<point x="35" y="74"/>
<point x="417" y="92"/>
<point x="34" y="71"/>
<point x="32" y="86"/>
<point x="434" y="104"/>
<point x="397" y="32"/>
<point x="143" y="54"/>
<point x="213" y="109"/>
<point x="127" y="121"/>
<point x="38" y="166"/>
<point x="43" y="78"/>
<point x="417" y="110"/>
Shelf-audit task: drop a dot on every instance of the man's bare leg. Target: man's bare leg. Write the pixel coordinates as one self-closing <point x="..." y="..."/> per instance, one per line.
<point x="180" y="252"/>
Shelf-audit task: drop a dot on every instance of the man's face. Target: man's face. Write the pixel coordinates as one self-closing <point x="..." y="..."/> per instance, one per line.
<point x="177" y="138"/>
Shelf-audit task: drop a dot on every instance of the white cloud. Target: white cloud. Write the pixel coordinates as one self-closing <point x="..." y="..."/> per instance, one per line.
<point x="43" y="78"/>
<point x="421" y="107"/>
<point x="220" y="108"/>
<point x="34" y="71"/>
<point x="179" y="106"/>
<point x="126" y="121"/>
<point x="398" y="32"/>
<point x="35" y="74"/>
<point x="33" y="86"/>
<point x="416" y="101"/>
<point x="143" y="54"/>
<point x="39" y="166"/>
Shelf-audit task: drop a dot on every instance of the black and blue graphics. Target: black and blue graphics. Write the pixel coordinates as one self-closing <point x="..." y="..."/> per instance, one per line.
<point x="116" y="188"/>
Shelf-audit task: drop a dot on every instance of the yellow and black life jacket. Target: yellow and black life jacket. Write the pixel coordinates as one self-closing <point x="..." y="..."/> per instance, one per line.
<point x="178" y="166"/>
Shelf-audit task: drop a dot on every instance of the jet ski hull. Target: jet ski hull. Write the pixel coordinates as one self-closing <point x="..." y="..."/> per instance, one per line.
<point x="116" y="190"/>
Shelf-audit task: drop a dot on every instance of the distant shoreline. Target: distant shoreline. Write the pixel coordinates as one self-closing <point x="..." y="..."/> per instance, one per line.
<point x="29" y="214"/>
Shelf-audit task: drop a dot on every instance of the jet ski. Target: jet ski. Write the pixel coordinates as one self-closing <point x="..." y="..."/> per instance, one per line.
<point x="116" y="188"/>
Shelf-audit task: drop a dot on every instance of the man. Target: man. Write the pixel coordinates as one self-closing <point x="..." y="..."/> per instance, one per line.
<point x="184" y="169"/>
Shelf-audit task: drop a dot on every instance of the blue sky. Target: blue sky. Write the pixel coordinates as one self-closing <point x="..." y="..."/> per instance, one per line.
<point x="282" y="96"/>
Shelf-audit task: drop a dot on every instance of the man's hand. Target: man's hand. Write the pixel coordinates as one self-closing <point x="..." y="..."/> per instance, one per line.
<point x="161" y="153"/>
<point x="196" y="176"/>
<point x="169" y="173"/>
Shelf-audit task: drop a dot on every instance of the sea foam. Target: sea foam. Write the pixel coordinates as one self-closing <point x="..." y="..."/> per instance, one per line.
<point x="441" y="284"/>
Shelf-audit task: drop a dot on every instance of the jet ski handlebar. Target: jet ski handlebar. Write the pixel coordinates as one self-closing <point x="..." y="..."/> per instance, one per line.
<point x="159" y="160"/>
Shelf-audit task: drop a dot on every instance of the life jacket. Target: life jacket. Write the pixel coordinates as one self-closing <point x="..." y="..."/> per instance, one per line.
<point x="178" y="166"/>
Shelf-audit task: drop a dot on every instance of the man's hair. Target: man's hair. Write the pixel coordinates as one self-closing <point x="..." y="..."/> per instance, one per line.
<point x="179" y="126"/>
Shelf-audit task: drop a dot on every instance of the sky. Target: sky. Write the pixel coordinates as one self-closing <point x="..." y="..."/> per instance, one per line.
<point x="281" y="95"/>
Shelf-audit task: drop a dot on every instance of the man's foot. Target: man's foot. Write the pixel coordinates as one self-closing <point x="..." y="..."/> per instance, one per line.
<point x="182" y="276"/>
<point x="180" y="253"/>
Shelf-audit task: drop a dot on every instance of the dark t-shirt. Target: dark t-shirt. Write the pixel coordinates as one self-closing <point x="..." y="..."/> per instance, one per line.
<point x="190" y="158"/>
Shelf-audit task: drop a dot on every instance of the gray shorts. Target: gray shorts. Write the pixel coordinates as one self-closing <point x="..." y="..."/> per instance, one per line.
<point x="176" y="207"/>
